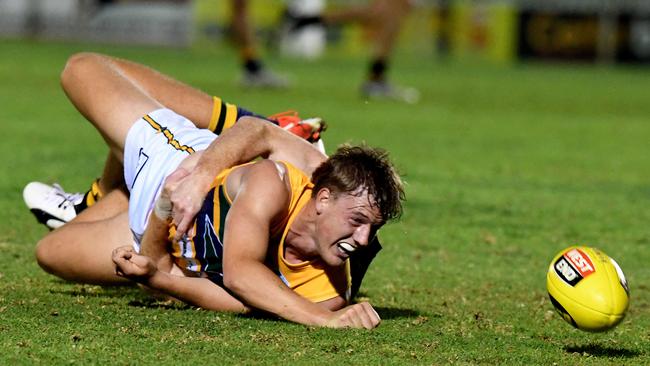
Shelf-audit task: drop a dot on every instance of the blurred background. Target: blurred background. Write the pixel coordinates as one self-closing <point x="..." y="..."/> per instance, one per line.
<point x="530" y="135"/>
<point x="604" y="31"/>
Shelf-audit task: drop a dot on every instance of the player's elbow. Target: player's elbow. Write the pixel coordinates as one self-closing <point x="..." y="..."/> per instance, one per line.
<point x="258" y="128"/>
<point x="239" y="276"/>
<point x="253" y="124"/>
<point x="233" y="282"/>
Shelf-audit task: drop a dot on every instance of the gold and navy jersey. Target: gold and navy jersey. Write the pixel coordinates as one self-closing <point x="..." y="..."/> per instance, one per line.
<point x="202" y="251"/>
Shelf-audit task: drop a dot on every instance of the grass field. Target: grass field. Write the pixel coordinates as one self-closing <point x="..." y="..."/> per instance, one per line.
<point x="505" y="167"/>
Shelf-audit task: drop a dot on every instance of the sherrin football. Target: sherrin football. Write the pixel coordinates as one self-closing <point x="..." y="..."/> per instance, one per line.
<point x="587" y="288"/>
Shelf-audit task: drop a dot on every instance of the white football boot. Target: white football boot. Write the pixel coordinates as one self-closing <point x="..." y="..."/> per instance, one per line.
<point x="51" y="205"/>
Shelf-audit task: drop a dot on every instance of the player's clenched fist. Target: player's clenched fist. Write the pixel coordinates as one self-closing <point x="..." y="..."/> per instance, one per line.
<point x="132" y="265"/>
<point x="360" y="315"/>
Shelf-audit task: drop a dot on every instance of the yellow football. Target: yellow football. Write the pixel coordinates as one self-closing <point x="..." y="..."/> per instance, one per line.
<point x="587" y="288"/>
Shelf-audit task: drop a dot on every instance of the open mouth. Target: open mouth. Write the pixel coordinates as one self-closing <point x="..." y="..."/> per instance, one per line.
<point x="345" y="247"/>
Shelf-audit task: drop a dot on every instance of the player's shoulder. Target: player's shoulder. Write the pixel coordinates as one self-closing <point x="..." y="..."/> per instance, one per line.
<point x="268" y="167"/>
<point x="265" y="188"/>
<point x="270" y="173"/>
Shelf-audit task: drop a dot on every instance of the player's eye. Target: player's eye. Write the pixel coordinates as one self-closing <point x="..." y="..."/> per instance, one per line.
<point x="357" y="221"/>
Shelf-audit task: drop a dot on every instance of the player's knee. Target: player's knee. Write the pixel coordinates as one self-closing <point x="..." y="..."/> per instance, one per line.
<point x="45" y="254"/>
<point x="74" y="66"/>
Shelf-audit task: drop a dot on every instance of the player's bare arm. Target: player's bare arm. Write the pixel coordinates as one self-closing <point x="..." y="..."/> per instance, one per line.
<point x="246" y="240"/>
<point x="154" y="268"/>
<point x="246" y="245"/>
<point x="197" y="291"/>
<point x="249" y="138"/>
<point x="155" y="241"/>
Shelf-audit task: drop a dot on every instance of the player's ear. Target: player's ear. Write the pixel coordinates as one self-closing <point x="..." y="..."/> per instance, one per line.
<point x="323" y="198"/>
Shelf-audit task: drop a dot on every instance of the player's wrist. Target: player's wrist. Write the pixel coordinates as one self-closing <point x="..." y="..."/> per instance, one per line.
<point x="202" y="176"/>
<point x="323" y="317"/>
<point x="157" y="280"/>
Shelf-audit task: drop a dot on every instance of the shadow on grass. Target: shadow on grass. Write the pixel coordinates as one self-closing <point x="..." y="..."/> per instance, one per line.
<point x="384" y="313"/>
<point x="396" y="313"/>
<point x="142" y="300"/>
<point x="152" y="303"/>
<point x="598" y="350"/>
<point x="259" y="315"/>
<point x="98" y="291"/>
<point x="138" y="298"/>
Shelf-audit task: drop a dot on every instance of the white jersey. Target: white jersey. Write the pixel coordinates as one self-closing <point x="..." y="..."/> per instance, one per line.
<point x="155" y="146"/>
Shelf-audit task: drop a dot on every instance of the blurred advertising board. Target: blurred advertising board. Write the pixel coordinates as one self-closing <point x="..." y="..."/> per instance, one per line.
<point x="584" y="36"/>
<point x="484" y="30"/>
<point x="565" y="30"/>
<point x="150" y="22"/>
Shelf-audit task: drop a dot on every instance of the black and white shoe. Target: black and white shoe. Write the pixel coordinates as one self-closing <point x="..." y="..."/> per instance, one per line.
<point x="385" y="90"/>
<point x="51" y="205"/>
<point x="264" y="79"/>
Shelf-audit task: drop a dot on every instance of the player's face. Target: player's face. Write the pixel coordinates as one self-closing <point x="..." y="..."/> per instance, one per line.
<point x="346" y="223"/>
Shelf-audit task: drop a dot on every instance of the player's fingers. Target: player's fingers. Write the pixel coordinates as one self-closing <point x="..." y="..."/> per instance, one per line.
<point x="347" y="319"/>
<point x="362" y="318"/>
<point x="182" y="227"/>
<point x="371" y="318"/>
<point x="172" y="181"/>
<point x="123" y="248"/>
<point x="137" y="259"/>
<point x="123" y="267"/>
<point x="353" y="317"/>
<point x="118" y="253"/>
<point x="117" y="259"/>
<point x="120" y="265"/>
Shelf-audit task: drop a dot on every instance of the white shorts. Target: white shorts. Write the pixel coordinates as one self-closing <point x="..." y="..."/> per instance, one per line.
<point x="155" y="146"/>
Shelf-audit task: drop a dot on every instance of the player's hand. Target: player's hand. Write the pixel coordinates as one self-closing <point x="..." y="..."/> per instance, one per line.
<point x="360" y="315"/>
<point x="186" y="192"/>
<point x="131" y="265"/>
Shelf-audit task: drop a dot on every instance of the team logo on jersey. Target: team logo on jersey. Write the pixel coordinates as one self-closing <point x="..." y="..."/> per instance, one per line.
<point x="573" y="266"/>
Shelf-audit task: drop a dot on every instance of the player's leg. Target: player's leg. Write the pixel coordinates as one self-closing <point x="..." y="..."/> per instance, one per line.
<point x="112" y="94"/>
<point x="204" y="110"/>
<point x="385" y="22"/>
<point x="54" y="207"/>
<point x="190" y="102"/>
<point x="112" y="103"/>
<point x="81" y="250"/>
<point x="383" y="18"/>
<point x="96" y="84"/>
<point x="255" y="73"/>
<point x="108" y="99"/>
<point x="112" y="178"/>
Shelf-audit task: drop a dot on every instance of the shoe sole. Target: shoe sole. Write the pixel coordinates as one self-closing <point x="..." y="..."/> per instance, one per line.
<point x="46" y="219"/>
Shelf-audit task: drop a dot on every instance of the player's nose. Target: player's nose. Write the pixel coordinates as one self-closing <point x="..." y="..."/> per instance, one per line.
<point x="361" y="235"/>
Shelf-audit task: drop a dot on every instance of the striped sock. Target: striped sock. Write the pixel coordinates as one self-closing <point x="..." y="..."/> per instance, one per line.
<point x="91" y="197"/>
<point x="224" y="115"/>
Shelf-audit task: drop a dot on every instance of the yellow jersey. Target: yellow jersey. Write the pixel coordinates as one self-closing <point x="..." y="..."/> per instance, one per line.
<point x="201" y="251"/>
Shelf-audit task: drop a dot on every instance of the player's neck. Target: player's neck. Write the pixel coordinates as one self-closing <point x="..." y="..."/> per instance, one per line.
<point x="299" y="244"/>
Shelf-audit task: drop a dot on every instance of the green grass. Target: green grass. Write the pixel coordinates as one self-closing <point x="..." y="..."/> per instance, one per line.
<point x="505" y="166"/>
